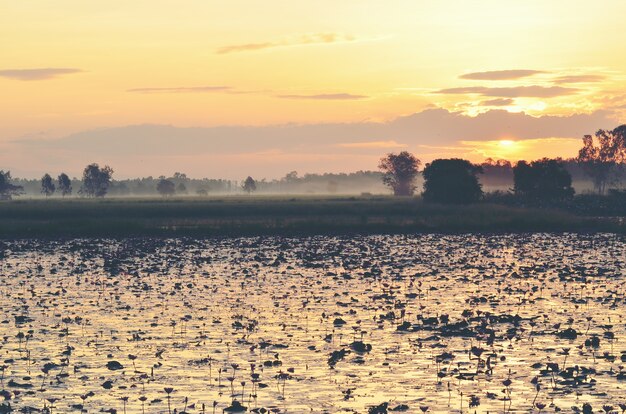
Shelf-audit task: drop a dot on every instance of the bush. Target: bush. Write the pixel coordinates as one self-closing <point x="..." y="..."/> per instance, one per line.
<point x="452" y="181"/>
<point x="542" y="180"/>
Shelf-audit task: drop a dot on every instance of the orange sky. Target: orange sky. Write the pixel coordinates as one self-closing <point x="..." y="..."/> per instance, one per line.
<point x="76" y="66"/>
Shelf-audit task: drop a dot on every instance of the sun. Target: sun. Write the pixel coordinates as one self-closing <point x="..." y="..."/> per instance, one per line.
<point x="501" y="149"/>
<point x="506" y="143"/>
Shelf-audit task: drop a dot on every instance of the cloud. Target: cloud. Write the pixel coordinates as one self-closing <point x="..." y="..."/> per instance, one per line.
<point x="325" y="96"/>
<point x="501" y="74"/>
<point x="579" y="79"/>
<point x="428" y="127"/>
<point x="431" y="127"/>
<point x="306" y="39"/>
<point x="141" y="150"/>
<point x="36" y="74"/>
<point x="533" y="91"/>
<point x="372" y="144"/>
<point x="498" y="102"/>
<point x="192" y="89"/>
<point x="246" y="47"/>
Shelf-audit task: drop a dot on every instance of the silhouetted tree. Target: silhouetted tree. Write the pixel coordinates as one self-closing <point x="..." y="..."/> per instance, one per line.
<point x="181" y="188"/>
<point x="166" y="187"/>
<point x="599" y="157"/>
<point x="47" y="186"/>
<point x="291" y="176"/>
<point x="8" y="190"/>
<point x="542" y="180"/>
<point x="96" y="180"/>
<point x="491" y="163"/>
<point x="399" y="172"/>
<point x="64" y="184"/>
<point x="249" y="185"/>
<point x="452" y="181"/>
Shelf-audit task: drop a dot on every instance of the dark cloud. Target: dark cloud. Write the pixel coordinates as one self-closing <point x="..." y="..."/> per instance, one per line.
<point x="579" y="79"/>
<point x="498" y="102"/>
<point x="325" y="96"/>
<point x="501" y="74"/>
<point x="36" y="74"/>
<point x="152" y="149"/>
<point x="429" y="127"/>
<point x="533" y="91"/>
<point x="193" y="89"/>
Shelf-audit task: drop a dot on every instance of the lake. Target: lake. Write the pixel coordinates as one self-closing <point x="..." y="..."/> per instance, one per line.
<point x="424" y="323"/>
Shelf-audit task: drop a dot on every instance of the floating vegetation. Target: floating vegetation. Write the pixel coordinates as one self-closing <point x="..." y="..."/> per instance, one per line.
<point x="377" y="324"/>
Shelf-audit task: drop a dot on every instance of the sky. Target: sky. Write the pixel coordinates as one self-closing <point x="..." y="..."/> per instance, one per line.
<point x="237" y="88"/>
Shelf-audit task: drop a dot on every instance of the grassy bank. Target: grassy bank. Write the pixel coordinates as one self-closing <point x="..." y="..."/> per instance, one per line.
<point x="229" y="216"/>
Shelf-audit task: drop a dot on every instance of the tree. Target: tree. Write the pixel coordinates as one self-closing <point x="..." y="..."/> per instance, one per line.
<point x="181" y="188"/>
<point x="542" y="180"/>
<point x="47" y="186"/>
<point x="291" y="177"/>
<point x="202" y="192"/>
<point x="452" y="181"/>
<point x="599" y="156"/>
<point x="249" y="185"/>
<point x="8" y="190"/>
<point x="399" y="172"/>
<point x="166" y="187"/>
<point x="64" y="184"/>
<point x="96" y="180"/>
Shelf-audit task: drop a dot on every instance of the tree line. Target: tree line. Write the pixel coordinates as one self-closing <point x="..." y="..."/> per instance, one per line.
<point x="95" y="183"/>
<point x="179" y="184"/>
<point x="600" y="160"/>
<point x="455" y="180"/>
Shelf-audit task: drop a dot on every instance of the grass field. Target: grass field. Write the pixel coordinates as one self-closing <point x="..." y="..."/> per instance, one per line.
<point x="260" y="215"/>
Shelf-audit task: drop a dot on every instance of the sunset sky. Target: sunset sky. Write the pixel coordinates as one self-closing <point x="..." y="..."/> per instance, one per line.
<point x="237" y="88"/>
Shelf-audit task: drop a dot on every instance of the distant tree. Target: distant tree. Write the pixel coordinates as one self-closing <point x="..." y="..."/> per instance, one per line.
<point x="496" y="173"/>
<point x="452" y="181"/>
<point x="8" y="190"/>
<point x="96" y="180"/>
<point x="64" y="184"/>
<point x="291" y="177"/>
<point x="332" y="186"/>
<point x="542" y="180"/>
<point x="166" y="187"/>
<point x="47" y="186"/>
<point x="249" y="185"/>
<point x="119" y="188"/>
<point x="399" y="172"/>
<point x="202" y="192"/>
<point x="599" y="156"/>
<point x="181" y="188"/>
<point x="495" y="164"/>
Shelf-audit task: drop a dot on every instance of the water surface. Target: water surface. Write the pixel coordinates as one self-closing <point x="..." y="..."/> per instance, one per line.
<point x="320" y="324"/>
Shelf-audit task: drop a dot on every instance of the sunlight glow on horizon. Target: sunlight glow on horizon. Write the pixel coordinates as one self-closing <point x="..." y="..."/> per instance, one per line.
<point x="528" y="149"/>
<point x="507" y="143"/>
<point x="82" y="66"/>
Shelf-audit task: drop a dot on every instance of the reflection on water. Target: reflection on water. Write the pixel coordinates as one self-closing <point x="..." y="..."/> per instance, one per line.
<point x="423" y="323"/>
